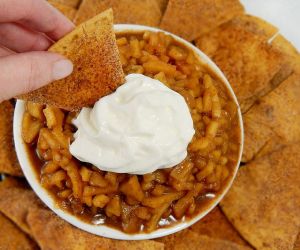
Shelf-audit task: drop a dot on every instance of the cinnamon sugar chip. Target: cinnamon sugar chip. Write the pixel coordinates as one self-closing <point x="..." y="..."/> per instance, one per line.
<point x="71" y="3"/>
<point x="144" y="12"/>
<point x="190" y="240"/>
<point x="48" y="230"/>
<point x="252" y="65"/>
<point x="67" y="10"/>
<point x="162" y="5"/>
<point x="11" y="237"/>
<point x="15" y="200"/>
<point x="274" y="118"/>
<point x="214" y="225"/>
<point x="264" y="202"/>
<point x="9" y="163"/>
<point x="192" y="18"/>
<point x="97" y="68"/>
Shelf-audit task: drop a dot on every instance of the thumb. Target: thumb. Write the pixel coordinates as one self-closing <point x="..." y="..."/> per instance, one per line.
<point x="22" y="73"/>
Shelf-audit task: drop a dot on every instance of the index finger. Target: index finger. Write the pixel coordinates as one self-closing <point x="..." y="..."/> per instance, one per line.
<point x="38" y="15"/>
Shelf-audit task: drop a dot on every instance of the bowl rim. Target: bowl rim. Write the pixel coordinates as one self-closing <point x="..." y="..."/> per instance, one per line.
<point x="102" y="230"/>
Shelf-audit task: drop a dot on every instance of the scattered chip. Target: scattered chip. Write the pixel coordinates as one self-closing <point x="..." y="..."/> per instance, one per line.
<point x="255" y="25"/>
<point x="273" y="144"/>
<point x="8" y="159"/>
<point x="190" y="240"/>
<point x="9" y="182"/>
<point x="144" y="12"/>
<point x="192" y="18"/>
<point x="264" y="202"/>
<point x="97" y="66"/>
<point x="256" y="136"/>
<point x="169" y="241"/>
<point x="217" y="226"/>
<point x="67" y="10"/>
<point x="277" y="115"/>
<point x="71" y="3"/>
<point x="15" y="200"/>
<point x="48" y="229"/>
<point x="297" y="243"/>
<point x="214" y="225"/>
<point x="255" y="68"/>
<point x="162" y="5"/>
<point x="284" y="45"/>
<point x="13" y="238"/>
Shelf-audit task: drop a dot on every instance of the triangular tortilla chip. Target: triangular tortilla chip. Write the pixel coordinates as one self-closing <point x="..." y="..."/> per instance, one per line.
<point x="257" y="135"/>
<point x="297" y="243"/>
<point x="144" y="12"/>
<point x="67" y="10"/>
<point x="264" y="202"/>
<point x="277" y="115"/>
<point x="273" y="144"/>
<point x="192" y="241"/>
<point x="287" y="47"/>
<point x="48" y="230"/>
<point x="97" y="68"/>
<point x="255" y="25"/>
<point x="9" y="163"/>
<point x="214" y="225"/>
<point x="9" y="182"/>
<point x="192" y="18"/>
<point x="71" y="3"/>
<point x="217" y="226"/>
<point x="12" y="238"/>
<point x="169" y="241"/>
<point x="15" y="201"/>
<point x="252" y="65"/>
<point x="162" y="5"/>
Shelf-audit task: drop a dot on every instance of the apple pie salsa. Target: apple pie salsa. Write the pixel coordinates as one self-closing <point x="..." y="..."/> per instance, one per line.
<point x="143" y="203"/>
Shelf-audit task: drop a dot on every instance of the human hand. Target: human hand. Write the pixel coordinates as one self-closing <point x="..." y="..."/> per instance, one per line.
<point x="27" y="27"/>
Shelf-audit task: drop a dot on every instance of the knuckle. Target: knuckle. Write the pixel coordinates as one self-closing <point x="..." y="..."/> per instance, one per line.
<point x="33" y="73"/>
<point x="38" y="43"/>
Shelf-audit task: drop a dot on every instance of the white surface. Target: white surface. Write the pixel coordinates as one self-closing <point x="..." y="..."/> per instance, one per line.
<point x="101" y="229"/>
<point x="284" y="14"/>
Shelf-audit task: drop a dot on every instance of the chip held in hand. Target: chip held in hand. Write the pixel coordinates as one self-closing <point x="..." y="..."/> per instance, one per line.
<point x="97" y="67"/>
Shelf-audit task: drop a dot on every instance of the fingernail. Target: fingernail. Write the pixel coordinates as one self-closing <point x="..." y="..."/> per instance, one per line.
<point x="62" y="69"/>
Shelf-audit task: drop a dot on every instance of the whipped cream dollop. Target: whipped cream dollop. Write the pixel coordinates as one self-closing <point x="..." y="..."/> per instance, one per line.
<point x="141" y="127"/>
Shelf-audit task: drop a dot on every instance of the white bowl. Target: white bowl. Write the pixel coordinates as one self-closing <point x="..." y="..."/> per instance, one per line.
<point x="103" y="230"/>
